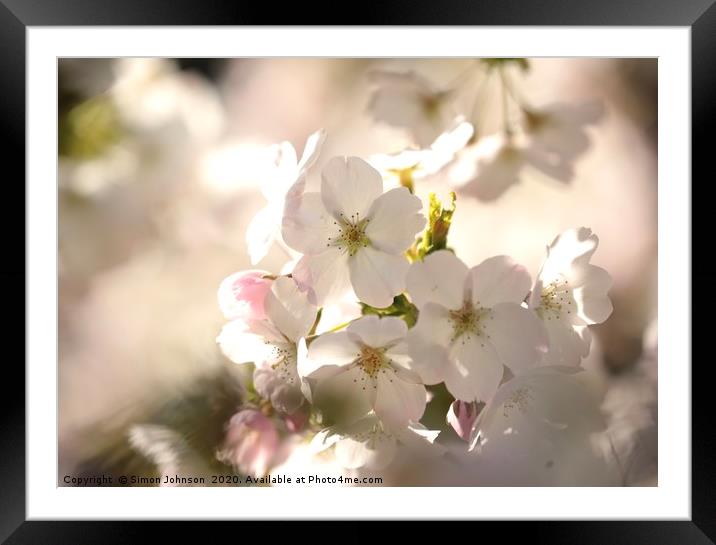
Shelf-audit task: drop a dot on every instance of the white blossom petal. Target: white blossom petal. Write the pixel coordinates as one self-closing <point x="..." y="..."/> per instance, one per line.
<point x="377" y="277"/>
<point x="397" y="402"/>
<point x="427" y="343"/>
<point x="349" y="187"/>
<point x="307" y="225"/>
<point x="488" y="168"/>
<point x="593" y="303"/>
<point x="475" y="370"/>
<point x="329" y="350"/>
<point x="347" y="396"/>
<point x="568" y="344"/>
<point x="324" y="439"/>
<point x="325" y="276"/>
<point x="312" y="150"/>
<point x="439" y="278"/>
<point x="377" y="332"/>
<point x="566" y="255"/>
<point x="518" y="335"/>
<point x="244" y="342"/>
<point x="395" y="219"/>
<point x="420" y="440"/>
<point x="410" y="101"/>
<point x="374" y="452"/>
<point x="499" y="280"/>
<point x="283" y="158"/>
<point x="262" y="231"/>
<point x="398" y="353"/>
<point x="289" y="309"/>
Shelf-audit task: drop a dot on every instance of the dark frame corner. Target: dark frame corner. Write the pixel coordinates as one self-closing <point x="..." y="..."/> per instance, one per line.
<point x="16" y="15"/>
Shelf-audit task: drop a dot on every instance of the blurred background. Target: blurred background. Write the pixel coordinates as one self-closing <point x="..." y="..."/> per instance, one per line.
<point x="159" y="178"/>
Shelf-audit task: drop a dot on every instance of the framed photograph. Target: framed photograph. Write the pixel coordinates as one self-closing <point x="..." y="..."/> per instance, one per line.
<point x="357" y="271"/>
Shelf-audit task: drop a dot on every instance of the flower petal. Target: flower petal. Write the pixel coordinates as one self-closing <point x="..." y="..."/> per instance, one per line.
<point x="375" y="453"/>
<point x="349" y="187"/>
<point x="568" y="252"/>
<point x="420" y="440"/>
<point x="378" y="332"/>
<point x="329" y="350"/>
<point x="244" y="342"/>
<point x="395" y="219"/>
<point x="324" y="439"/>
<point x="499" y="280"/>
<point x="347" y="396"/>
<point x="398" y="354"/>
<point x="325" y="276"/>
<point x="263" y="230"/>
<point x="242" y="295"/>
<point x="306" y="226"/>
<point x="568" y="344"/>
<point x="440" y="278"/>
<point x="283" y="158"/>
<point x="593" y="303"/>
<point x="487" y="168"/>
<point x="376" y="276"/>
<point x="518" y="335"/>
<point x="398" y="402"/>
<point x="289" y="309"/>
<point x="312" y="149"/>
<point x="475" y="370"/>
<point x="427" y="343"/>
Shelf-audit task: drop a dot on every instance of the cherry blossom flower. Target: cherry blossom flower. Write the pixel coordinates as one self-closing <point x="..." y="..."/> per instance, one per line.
<point x="265" y="227"/>
<point x="471" y="323"/>
<point x="540" y="429"/>
<point x="368" y="444"/>
<point x="271" y="343"/>
<point x="365" y="368"/>
<point x="242" y="294"/>
<point x="352" y="234"/>
<point x="488" y="167"/>
<point x="557" y="133"/>
<point x="552" y="140"/>
<point x="409" y="101"/>
<point x="569" y="295"/>
<point x="401" y="169"/>
<point x="461" y="417"/>
<point x="250" y="444"/>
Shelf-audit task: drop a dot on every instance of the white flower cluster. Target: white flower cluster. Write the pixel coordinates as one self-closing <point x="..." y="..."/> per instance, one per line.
<point x="476" y="157"/>
<point x="427" y="317"/>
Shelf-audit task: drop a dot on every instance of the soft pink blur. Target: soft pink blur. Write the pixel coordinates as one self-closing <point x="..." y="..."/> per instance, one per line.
<point x="251" y="443"/>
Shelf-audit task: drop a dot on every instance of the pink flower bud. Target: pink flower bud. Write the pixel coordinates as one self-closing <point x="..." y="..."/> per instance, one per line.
<point x="461" y="416"/>
<point x="251" y="443"/>
<point x="242" y="294"/>
<point x="295" y="422"/>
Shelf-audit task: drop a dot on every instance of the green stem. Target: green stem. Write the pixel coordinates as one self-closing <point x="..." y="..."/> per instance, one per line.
<point x="313" y="335"/>
<point x="505" y="105"/>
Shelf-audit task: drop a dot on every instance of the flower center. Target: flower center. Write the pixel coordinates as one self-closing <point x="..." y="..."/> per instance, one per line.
<point x="468" y="321"/>
<point x="372" y="360"/>
<point x="556" y="299"/>
<point x="519" y="400"/>
<point x="431" y="105"/>
<point x="284" y="357"/>
<point x="372" y="436"/>
<point x="351" y="234"/>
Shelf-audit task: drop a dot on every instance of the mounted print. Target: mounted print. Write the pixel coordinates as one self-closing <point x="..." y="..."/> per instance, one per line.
<point x="357" y="272"/>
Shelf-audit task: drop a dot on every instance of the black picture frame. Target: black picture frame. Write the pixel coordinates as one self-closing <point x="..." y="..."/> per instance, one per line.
<point x="17" y="15"/>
